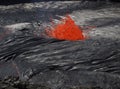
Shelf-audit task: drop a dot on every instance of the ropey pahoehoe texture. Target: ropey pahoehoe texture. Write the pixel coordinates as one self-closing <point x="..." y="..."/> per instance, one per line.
<point x="30" y="60"/>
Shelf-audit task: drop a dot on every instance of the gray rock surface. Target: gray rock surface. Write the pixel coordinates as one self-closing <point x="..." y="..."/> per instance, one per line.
<point x="25" y="53"/>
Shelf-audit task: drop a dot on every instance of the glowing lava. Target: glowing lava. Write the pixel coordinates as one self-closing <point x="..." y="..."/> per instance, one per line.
<point x="66" y="30"/>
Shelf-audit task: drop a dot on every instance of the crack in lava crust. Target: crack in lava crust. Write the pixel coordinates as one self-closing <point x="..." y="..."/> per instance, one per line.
<point x="65" y="30"/>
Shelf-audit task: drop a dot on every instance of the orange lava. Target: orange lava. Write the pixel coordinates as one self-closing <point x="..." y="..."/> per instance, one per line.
<point x="66" y="30"/>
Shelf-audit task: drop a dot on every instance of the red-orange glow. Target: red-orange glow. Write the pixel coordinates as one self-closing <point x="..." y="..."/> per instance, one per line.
<point x="66" y="30"/>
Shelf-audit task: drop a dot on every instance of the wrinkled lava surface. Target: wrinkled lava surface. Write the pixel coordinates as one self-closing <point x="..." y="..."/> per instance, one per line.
<point x="26" y="54"/>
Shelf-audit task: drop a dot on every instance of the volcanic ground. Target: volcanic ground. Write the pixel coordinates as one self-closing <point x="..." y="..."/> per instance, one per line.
<point x="30" y="60"/>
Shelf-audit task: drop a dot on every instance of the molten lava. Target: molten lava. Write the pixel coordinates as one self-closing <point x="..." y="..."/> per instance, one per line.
<point x="66" y="30"/>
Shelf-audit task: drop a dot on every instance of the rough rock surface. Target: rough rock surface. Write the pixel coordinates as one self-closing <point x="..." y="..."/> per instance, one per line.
<point x="27" y="57"/>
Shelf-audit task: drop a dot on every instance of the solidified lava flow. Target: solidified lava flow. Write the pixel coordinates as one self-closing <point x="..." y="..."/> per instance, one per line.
<point x="66" y="30"/>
